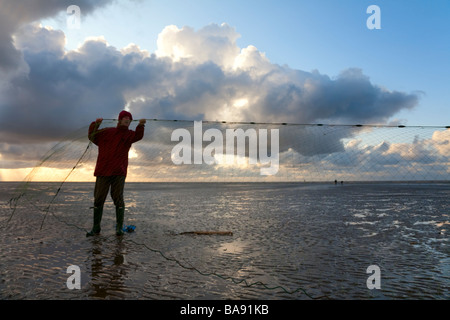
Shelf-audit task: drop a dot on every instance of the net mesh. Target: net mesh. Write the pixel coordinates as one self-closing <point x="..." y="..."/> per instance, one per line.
<point x="187" y="151"/>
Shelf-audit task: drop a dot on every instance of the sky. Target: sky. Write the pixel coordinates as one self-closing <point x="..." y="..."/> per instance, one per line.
<point x="264" y="61"/>
<point x="409" y="53"/>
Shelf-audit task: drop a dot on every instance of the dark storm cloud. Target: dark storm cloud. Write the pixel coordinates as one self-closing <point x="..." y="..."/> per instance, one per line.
<point x="63" y="92"/>
<point x="351" y="98"/>
<point x="17" y="13"/>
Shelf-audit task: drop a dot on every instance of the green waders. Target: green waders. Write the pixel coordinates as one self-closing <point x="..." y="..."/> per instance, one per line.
<point x="98" y="212"/>
<point x="120" y="211"/>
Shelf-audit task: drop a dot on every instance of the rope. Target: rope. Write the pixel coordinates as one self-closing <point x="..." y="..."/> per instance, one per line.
<point x="236" y="281"/>
<point x="292" y="124"/>
<point x="46" y="210"/>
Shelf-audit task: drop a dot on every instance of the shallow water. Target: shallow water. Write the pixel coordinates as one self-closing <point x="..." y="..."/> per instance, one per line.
<point x="290" y="241"/>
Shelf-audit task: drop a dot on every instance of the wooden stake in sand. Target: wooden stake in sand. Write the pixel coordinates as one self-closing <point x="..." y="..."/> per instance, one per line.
<point x="203" y="233"/>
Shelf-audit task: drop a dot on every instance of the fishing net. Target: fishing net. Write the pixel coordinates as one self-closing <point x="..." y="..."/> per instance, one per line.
<point x="205" y="151"/>
<point x="60" y="186"/>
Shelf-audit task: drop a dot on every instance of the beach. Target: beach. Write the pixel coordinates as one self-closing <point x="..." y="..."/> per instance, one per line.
<point x="287" y="241"/>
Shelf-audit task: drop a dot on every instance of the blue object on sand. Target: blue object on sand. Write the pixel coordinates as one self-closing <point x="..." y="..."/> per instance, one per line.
<point x="129" y="228"/>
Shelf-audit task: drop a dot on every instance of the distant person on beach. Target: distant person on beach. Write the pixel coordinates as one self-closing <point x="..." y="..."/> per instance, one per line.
<point x="112" y="163"/>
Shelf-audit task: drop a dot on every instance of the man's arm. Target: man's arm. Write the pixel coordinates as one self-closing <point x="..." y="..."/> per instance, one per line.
<point x="93" y="129"/>
<point x="139" y="133"/>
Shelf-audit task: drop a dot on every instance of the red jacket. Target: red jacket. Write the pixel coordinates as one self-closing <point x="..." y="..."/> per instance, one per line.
<point x="113" y="146"/>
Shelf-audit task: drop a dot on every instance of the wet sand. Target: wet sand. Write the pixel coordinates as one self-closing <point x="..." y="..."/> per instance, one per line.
<point x="288" y="241"/>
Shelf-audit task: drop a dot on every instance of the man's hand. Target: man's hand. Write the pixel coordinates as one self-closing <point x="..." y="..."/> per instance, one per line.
<point x="99" y="120"/>
<point x="142" y="121"/>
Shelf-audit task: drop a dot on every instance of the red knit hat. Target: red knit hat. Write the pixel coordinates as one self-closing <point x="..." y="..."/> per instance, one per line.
<point x="124" y="114"/>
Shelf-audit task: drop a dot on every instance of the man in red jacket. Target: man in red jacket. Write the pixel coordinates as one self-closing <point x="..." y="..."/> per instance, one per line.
<point x="112" y="163"/>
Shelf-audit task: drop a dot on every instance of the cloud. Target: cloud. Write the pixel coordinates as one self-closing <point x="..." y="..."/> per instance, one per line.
<point x="441" y="141"/>
<point x="272" y="91"/>
<point x="193" y="74"/>
<point x="212" y="43"/>
<point x="64" y="90"/>
<point x="17" y="13"/>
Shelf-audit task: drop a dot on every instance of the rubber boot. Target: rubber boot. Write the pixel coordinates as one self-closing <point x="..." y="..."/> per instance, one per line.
<point x="98" y="212"/>
<point x="120" y="211"/>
